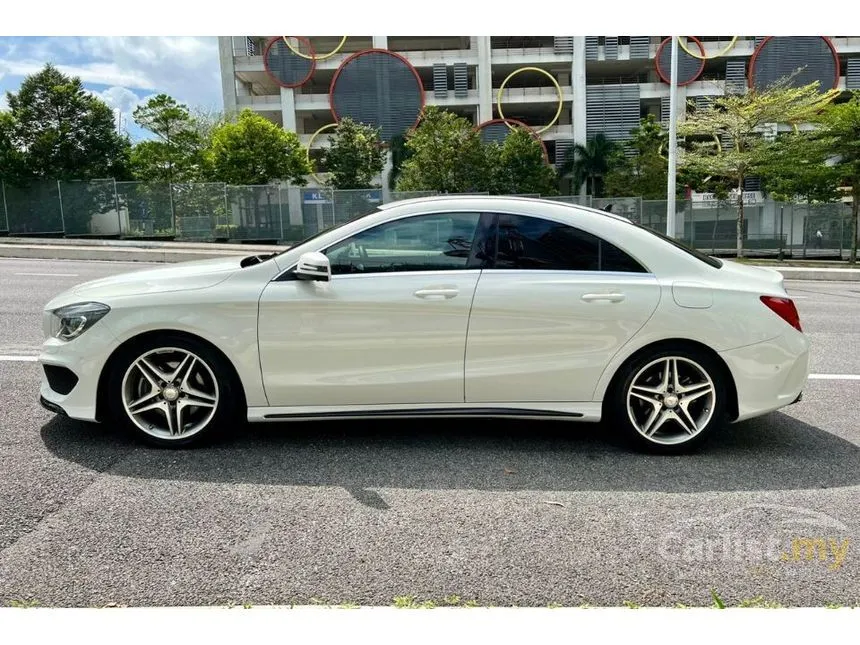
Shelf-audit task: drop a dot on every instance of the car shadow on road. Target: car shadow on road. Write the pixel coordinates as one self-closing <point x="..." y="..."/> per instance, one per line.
<point x="775" y="452"/>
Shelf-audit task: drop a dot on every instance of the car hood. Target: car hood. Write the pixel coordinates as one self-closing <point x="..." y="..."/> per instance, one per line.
<point x="198" y="274"/>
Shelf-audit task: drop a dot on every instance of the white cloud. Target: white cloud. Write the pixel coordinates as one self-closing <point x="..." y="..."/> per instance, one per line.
<point x="4" y="104"/>
<point x="101" y="73"/>
<point x="185" y="67"/>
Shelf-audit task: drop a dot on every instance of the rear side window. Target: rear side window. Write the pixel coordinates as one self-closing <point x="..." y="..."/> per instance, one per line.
<point x="539" y="244"/>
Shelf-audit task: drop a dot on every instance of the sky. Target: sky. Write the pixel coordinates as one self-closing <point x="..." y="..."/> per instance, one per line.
<point x="123" y="71"/>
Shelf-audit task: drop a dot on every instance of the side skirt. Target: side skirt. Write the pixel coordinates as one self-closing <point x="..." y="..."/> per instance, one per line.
<point x="586" y="412"/>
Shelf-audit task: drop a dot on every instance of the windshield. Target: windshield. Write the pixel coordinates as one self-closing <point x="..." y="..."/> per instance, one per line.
<point x="322" y="232"/>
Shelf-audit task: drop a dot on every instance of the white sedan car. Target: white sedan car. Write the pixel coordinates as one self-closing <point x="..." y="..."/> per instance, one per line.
<point x="438" y="307"/>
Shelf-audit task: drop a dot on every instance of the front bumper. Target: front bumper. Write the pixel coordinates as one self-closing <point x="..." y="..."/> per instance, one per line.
<point x="769" y="375"/>
<point x="85" y="357"/>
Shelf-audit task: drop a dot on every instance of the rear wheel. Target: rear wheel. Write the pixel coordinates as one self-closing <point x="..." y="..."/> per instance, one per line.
<point x="669" y="401"/>
<point x="172" y="391"/>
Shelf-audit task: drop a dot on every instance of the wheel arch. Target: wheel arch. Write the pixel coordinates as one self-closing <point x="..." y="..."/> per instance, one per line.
<point x="678" y="343"/>
<point x="101" y="392"/>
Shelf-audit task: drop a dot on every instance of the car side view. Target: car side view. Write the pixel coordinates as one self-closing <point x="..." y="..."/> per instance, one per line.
<point x="445" y="306"/>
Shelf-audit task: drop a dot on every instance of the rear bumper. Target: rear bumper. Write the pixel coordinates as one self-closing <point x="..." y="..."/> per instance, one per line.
<point x="769" y="375"/>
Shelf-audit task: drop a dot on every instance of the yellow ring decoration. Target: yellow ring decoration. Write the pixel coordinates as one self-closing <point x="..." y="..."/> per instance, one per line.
<point x="311" y="143"/>
<point x="700" y="57"/>
<point x="550" y="77"/>
<point x="315" y="56"/>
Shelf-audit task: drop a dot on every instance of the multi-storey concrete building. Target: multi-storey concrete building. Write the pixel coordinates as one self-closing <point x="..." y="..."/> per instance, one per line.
<point x="566" y="87"/>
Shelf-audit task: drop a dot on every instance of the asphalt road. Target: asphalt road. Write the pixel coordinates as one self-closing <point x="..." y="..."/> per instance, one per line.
<point x="513" y="513"/>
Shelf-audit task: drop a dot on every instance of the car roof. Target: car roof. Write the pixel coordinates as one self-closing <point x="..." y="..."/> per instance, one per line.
<point x="497" y="200"/>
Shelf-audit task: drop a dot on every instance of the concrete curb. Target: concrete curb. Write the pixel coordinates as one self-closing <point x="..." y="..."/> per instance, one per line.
<point x="154" y="251"/>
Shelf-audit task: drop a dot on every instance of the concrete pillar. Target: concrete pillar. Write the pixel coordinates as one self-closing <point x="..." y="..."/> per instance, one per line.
<point x="577" y="78"/>
<point x="380" y="42"/>
<point x="228" y="73"/>
<point x="288" y="108"/>
<point x="485" y="79"/>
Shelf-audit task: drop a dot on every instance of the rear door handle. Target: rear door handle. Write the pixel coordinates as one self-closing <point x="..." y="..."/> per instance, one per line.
<point x="606" y="297"/>
<point x="436" y="294"/>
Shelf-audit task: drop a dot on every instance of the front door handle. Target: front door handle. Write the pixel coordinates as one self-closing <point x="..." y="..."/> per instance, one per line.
<point x="437" y="294"/>
<point x="605" y="297"/>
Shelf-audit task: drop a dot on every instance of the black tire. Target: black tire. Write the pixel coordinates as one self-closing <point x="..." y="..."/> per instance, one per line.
<point x="618" y="415"/>
<point x="227" y="411"/>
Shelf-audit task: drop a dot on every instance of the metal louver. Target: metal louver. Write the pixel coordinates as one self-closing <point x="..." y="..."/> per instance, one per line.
<point x="736" y="76"/>
<point x="591" y="48"/>
<point x="440" y="80"/>
<point x="640" y="46"/>
<point x="461" y="80"/>
<point x="562" y="44"/>
<point x="613" y="110"/>
<point x="562" y="146"/>
<point x="852" y="74"/>
<point x="610" y="48"/>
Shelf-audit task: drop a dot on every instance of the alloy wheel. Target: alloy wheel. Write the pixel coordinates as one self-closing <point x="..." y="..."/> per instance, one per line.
<point x="170" y="393"/>
<point x="671" y="400"/>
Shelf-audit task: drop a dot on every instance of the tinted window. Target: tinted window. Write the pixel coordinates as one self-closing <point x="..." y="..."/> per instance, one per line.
<point x="707" y="259"/>
<point x="419" y="243"/>
<point x="535" y="243"/>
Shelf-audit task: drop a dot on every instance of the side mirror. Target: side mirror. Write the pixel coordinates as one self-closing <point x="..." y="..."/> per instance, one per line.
<point x="313" y="266"/>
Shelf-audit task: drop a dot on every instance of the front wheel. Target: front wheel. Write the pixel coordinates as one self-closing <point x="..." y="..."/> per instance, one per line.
<point x="669" y="401"/>
<point x="172" y="391"/>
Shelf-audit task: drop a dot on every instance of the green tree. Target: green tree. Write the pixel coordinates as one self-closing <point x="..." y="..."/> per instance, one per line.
<point x="251" y="150"/>
<point x="446" y="155"/>
<point x="399" y="154"/>
<point x="645" y="173"/>
<point x="590" y="163"/>
<point x="177" y="153"/>
<point x="64" y="131"/>
<point x="840" y="132"/>
<point x="741" y="118"/>
<point x="798" y="169"/>
<point x="354" y="157"/>
<point x="519" y="166"/>
<point x="11" y="157"/>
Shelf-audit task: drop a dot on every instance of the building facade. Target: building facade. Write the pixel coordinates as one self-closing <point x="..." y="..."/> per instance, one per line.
<point x="566" y="88"/>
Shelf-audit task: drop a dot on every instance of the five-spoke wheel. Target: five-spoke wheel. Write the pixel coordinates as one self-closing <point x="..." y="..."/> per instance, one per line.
<point x="171" y="390"/>
<point x="668" y="400"/>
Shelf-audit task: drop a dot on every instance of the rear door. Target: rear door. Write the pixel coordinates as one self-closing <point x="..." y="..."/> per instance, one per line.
<point x="551" y="309"/>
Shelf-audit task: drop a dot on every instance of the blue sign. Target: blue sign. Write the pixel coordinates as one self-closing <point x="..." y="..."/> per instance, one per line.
<point x="316" y="196"/>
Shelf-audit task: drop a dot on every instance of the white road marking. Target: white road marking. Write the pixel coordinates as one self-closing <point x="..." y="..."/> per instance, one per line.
<point x="835" y="377"/>
<point x="18" y="359"/>
<point x="51" y="275"/>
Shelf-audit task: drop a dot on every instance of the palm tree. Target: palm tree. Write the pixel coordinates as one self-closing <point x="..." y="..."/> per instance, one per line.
<point x="590" y="162"/>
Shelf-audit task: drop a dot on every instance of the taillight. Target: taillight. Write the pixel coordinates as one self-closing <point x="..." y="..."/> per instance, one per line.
<point x="785" y="309"/>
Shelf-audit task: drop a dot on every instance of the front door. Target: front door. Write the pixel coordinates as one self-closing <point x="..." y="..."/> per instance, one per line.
<point x="390" y="326"/>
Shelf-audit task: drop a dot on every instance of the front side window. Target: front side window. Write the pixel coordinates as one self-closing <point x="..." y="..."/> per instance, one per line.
<point x="438" y="242"/>
<point x="540" y="244"/>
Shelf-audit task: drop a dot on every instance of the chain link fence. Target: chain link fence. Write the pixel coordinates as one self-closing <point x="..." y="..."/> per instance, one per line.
<point x="285" y="214"/>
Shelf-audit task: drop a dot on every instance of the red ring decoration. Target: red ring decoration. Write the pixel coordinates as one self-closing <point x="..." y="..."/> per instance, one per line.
<point x="695" y="76"/>
<point x="530" y="129"/>
<point x="826" y="39"/>
<point x="275" y="78"/>
<point x="388" y="52"/>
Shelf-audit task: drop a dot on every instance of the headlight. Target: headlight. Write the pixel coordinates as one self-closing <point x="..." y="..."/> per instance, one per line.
<point x="73" y="320"/>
